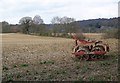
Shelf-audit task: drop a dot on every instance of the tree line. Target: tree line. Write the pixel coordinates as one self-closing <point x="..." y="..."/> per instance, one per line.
<point x="36" y="25"/>
<point x="60" y="26"/>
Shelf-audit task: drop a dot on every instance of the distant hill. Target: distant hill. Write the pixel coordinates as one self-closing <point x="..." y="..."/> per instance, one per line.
<point x="94" y="25"/>
<point x="112" y="22"/>
<point x="97" y="24"/>
<point x="91" y="25"/>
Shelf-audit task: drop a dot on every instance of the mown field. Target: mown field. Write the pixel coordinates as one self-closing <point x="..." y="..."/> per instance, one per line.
<point x="27" y="57"/>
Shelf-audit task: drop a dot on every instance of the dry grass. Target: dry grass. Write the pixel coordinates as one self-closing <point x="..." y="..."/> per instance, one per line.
<point x="28" y="57"/>
<point x="93" y="35"/>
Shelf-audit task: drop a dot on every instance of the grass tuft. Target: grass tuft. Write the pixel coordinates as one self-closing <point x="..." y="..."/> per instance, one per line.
<point x="24" y="65"/>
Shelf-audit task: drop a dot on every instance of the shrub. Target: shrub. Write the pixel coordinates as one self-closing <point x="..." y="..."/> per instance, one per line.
<point x="65" y="35"/>
<point x="112" y="33"/>
<point x="24" y="65"/>
<point x="69" y="35"/>
<point x="79" y="36"/>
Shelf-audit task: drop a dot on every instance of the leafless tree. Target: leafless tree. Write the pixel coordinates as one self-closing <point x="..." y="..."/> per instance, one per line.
<point x="25" y="22"/>
<point x="63" y="24"/>
<point x="56" y="20"/>
<point x="63" y="20"/>
<point x="38" y="20"/>
<point x="66" y="20"/>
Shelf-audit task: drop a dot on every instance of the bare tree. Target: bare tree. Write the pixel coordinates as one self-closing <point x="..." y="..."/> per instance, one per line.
<point x="26" y="22"/>
<point x="63" y="20"/>
<point x="63" y="25"/>
<point x="56" y="24"/>
<point x="56" y="20"/>
<point x="38" y="25"/>
<point x="38" y="20"/>
<point x="66" y="20"/>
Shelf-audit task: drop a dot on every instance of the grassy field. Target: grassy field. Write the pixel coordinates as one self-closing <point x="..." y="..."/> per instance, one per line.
<point x="27" y="57"/>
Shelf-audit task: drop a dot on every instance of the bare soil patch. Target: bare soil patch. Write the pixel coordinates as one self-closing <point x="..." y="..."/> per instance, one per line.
<point x="27" y="57"/>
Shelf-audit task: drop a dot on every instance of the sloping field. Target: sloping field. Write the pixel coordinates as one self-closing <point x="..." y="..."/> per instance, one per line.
<point x="27" y="57"/>
<point x="94" y="35"/>
<point x="113" y="43"/>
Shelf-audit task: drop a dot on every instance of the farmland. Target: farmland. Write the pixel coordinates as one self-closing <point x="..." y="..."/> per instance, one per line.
<point x="27" y="57"/>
